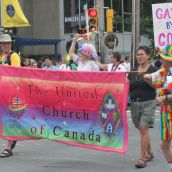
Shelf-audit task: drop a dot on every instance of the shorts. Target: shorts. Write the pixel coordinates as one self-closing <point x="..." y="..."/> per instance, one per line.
<point x="143" y="113"/>
<point x="166" y="126"/>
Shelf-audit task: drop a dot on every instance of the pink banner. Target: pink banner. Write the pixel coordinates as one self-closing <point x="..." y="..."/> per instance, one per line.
<point x="86" y="109"/>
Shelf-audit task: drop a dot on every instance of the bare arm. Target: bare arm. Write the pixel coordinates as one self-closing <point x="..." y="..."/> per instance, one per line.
<point x="148" y="79"/>
<point x="72" y="47"/>
<point x="102" y="66"/>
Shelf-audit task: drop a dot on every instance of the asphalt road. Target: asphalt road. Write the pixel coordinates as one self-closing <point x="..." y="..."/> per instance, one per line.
<point x="49" y="156"/>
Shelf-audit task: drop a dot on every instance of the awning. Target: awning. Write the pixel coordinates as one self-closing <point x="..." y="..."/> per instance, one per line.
<point x="29" y="42"/>
<point x="20" y="42"/>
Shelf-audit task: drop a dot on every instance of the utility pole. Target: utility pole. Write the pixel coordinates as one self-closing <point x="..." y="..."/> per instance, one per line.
<point x="101" y="25"/>
<point x="135" y="30"/>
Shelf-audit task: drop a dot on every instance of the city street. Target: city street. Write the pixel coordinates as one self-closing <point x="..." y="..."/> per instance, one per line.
<point x="69" y="79"/>
<point x="49" y="156"/>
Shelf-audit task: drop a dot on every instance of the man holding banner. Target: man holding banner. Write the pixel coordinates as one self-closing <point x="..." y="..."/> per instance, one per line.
<point x="162" y="22"/>
<point x="162" y="80"/>
<point x="8" y="58"/>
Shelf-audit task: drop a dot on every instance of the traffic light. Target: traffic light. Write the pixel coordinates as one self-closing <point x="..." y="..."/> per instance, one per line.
<point x="109" y="20"/>
<point x="93" y="19"/>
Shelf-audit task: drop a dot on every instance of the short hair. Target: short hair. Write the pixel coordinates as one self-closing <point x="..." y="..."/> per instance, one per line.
<point x="117" y="56"/>
<point x="126" y="58"/>
<point x="145" y="48"/>
<point x="47" y="57"/>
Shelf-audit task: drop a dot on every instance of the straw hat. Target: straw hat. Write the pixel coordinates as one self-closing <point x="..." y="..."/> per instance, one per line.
<point x="5" y="38"/>
<point x="167" y="53"/>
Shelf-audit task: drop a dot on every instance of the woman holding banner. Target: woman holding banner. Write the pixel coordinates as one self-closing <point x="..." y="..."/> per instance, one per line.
<point x="142" y="103"/>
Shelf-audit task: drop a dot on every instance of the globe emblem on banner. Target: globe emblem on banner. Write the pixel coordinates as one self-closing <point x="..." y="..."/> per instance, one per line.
<point x="10" y="10"/>
<point x="109" y="115"/>
<point x="17" y="107"/>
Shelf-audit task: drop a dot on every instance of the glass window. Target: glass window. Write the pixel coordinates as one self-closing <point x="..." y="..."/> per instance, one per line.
<point x="74" y="17"/>
<point x="122" y="18"/>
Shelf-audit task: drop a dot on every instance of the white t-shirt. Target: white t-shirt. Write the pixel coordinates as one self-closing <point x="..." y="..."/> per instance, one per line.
<point x="127" y="66"/>
<point x="90" y="65"/>
<point x="155" y="76"/>
<point x="117" y="68"/>
<point x="64" y="67"/>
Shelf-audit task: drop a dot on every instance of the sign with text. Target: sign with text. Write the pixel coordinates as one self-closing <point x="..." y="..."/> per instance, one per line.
<point x="162" y="22"/>
<point x="84" y="109"/>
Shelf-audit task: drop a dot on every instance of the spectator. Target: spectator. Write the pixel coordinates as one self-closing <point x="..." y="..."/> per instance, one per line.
<point x="62" y="65"/>
<point x="40" y="64"/>
<point x="86" y="56"/>
<point x="126" y="63"/>
<point x="114" y="65"/>
<point x="34" y="65"/>
<point x="73" y="66"/>
<point x="25" y="62"/>
<point x="58" y="62"/>
<point x="48" y="62"/>
<point x="70" y="63"/>
<point x="32" y="60"/>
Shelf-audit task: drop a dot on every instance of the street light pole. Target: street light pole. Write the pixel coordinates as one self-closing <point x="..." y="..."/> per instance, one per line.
<point x="101" y="26"/>
<point x="135" y="30"/>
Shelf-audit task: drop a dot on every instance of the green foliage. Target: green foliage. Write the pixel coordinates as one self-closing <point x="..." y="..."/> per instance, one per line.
<point x="146" y="25"/>
<point x="146" y="20"/>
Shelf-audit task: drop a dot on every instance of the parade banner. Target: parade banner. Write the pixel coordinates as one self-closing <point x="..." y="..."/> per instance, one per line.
<point x="86" y="109"/>
<point x="162" y="22"/>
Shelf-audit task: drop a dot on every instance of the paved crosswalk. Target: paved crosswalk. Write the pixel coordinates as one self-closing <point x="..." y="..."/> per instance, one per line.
<point x="157" y="115"/>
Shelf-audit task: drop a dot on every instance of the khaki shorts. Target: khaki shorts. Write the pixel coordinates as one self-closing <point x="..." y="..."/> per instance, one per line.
<point x="143" y="113"/>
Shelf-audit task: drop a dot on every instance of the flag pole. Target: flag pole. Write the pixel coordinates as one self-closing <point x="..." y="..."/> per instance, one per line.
<point x="1" y="14"/>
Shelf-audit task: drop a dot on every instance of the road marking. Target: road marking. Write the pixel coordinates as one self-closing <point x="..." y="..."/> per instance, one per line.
<point x="157" y="115"/>
<point x="129" y="119"/>
<point x="157" y="111"/>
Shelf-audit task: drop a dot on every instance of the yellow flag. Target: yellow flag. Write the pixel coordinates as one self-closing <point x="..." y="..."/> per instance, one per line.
<point x="12" y="14"/>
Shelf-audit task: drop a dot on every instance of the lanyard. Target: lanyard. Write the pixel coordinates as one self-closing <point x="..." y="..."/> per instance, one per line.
<point x="115" y="67"/>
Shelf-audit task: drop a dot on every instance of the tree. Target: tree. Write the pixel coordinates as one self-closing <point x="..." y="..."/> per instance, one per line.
<point x="146" y="20"/>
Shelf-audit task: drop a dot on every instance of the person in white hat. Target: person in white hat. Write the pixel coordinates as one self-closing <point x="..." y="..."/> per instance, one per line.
<point x="86" y="57"/>
<point x="7" y="57"/>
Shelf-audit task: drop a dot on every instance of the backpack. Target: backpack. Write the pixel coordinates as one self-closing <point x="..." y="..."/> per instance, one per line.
<point x="8" y="58"/>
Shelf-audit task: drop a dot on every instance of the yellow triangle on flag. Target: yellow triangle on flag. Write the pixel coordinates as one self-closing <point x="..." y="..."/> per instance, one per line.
<point x="12" y="14"/>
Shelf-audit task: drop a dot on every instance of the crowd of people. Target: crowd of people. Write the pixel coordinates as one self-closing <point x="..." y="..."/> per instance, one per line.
<point x="143" y="77"/>
<point x="47" y="62"/>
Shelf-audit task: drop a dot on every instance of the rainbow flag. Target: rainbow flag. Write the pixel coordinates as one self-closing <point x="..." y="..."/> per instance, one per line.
<point x="12" y="14"/>
<point x="86" y="109"/>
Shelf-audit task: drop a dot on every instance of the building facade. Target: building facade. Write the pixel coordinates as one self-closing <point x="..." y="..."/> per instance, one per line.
<point x="60" y="19"/>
